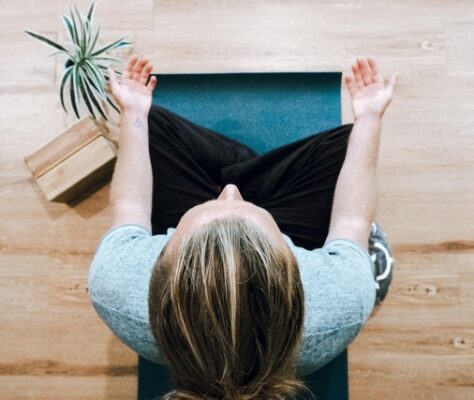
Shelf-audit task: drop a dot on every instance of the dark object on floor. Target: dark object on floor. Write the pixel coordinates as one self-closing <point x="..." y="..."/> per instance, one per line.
<point x="382" y="256"/>
<point x="263" y="111"/>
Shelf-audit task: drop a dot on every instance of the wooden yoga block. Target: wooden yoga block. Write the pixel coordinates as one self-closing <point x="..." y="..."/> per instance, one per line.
<point x="78" y="157"/>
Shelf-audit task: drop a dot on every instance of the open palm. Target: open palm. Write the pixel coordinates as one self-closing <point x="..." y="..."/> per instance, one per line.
<point x="370" y="95"/>
<point x="131" y="89"/>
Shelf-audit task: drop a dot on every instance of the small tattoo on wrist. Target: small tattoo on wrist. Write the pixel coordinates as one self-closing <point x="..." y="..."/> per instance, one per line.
<point x="138" y="123"/>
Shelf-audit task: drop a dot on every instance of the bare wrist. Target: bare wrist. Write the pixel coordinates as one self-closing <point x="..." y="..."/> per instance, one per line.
<point x="372" y="118"/>
<point x="131" y="112"/>
<point x="133" y="120"/>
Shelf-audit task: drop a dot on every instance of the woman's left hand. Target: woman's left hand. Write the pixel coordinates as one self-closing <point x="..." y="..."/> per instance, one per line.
<point x="370" y="95"/>
<point x="131" y="90"/>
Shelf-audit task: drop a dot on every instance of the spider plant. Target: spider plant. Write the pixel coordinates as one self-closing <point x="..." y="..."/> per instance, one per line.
<point x="84" y="72"/>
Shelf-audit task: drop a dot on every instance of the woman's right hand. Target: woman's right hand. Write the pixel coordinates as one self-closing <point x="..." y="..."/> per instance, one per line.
<point x="131" y="90"/>
<point x="370" y="95"/>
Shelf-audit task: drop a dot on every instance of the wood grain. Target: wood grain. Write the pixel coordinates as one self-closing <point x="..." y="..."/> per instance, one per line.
<point x="62" y="146"/>
<point x="70" y="177"/>
<point x="420" y="343"/>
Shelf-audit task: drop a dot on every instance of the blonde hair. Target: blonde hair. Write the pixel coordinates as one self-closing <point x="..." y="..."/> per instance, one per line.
<point x="227" y="314"/>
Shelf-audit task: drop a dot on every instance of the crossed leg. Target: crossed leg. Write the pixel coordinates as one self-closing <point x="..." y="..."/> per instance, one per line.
<point x="294" y="182"/>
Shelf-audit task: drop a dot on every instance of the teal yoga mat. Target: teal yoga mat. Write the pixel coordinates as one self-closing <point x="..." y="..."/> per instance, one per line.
<point x="264" y="111"/>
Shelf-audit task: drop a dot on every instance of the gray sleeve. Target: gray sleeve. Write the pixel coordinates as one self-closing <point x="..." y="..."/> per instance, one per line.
<point x="338" y="284"/>
<point x="361" y="272"/>
<point x="118" y="281"/>
<point x="339" y="288"/>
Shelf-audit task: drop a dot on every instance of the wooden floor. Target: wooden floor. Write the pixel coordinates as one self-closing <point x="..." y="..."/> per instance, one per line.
<point x="419" y="346"/>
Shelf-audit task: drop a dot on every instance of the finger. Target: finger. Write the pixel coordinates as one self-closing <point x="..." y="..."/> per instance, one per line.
<point x="145" y="73"/>
<point x="151" y="85"/>
<point x="375" y="71"/>
<point x="393" y="81"/>
<point x="350" y="84"/>
<point x="364" y="69"/>
<point x="127" y="74"/>
<point x="358" y="77"/>
<point x="137" y="70"/>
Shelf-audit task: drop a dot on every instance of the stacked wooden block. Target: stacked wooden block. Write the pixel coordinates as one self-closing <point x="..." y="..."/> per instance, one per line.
<point x="74" y="160"/>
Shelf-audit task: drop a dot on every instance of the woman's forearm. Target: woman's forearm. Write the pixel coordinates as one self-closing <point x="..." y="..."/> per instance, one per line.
<point x="355" y="196"/>
<point x="132" y="181"/>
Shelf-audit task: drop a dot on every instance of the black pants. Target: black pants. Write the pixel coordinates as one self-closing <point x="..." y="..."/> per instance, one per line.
<point x="191" y="164"/>
<point x="295" y="182"/>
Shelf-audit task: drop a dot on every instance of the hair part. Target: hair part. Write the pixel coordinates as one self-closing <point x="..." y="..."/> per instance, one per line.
<point x="227" y="313"/>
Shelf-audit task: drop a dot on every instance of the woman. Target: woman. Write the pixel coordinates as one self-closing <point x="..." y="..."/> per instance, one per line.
<point x="240" y="271"/>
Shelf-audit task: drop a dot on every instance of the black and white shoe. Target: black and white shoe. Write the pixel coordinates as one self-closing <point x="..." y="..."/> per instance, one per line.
<point x="381" y="255"/>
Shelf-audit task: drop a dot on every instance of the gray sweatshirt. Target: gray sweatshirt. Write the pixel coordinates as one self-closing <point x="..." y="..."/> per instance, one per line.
<point x="338" y="283"/>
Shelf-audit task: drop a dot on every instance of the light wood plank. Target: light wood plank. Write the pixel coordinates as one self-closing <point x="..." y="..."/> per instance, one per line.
<point x="99" y="386"/>
<point x="25" y="61"/>
<point x="419" y="345"/>
<point x="38" y="15"/>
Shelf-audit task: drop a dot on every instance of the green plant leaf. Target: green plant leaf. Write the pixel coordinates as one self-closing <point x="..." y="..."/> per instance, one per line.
<point x="91" y="12"/>
<point x="95" y="75"/>
<point x="82" y="83"/>
<point x="96" y="102"/>
<point x="105" y="74"/>
<point x="76" y="31"/>
<point x="123" y="43"/>
<point x="88" y="36"/>
<point x="91" y="48"/>
<point x="46" y="40"/>
<point x="82" y="41"/>
<point x="113" y="104"/>
<point x="73" y="90"/>
<point x="116" y="44"/>
<point x="99" y="73"/>
<point x="66" y="75"/>
<point x="76" y="80"/>
<point x="84" y="37"/>
<point x="68" y="23"/>
<point x="94" y="86"/>
<point x="95" y="70"/>
<point x="74" y="25"/>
